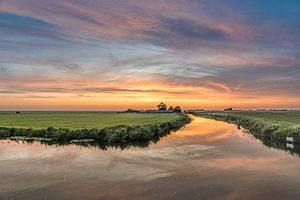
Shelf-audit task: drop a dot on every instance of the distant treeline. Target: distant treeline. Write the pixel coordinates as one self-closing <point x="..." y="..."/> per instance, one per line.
<point x="260" y="128"/>
<point x="115" y="134"/>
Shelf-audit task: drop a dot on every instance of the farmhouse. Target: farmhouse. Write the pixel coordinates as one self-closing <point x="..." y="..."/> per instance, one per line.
<point x="158" y="111"/>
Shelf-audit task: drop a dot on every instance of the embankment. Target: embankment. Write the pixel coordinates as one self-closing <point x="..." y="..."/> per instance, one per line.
<point x="114" y="134"/>
<point x="259" y="127"/>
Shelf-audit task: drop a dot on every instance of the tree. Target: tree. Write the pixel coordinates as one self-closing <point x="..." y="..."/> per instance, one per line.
<point x="171" y="108"/>
<point x="162" y="106"/>
<point x="177" y="109"/>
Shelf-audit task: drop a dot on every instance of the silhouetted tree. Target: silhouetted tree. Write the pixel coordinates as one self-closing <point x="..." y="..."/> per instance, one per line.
<point x="177" y="109"/>
<point x="162" y="106"/>
<point x="171" y="108"/>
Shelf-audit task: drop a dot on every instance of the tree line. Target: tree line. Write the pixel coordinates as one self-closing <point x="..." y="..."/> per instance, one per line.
<point x="163" y="106"/>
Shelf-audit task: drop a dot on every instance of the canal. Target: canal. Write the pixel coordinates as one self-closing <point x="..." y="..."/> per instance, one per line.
<point x="207" y="159"/>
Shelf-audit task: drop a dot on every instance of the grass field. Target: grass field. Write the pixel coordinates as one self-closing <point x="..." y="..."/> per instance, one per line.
<point x="80" y="120"/>
<point x="272" y="125"/>
<point x="104" y="127"/>
<point x="292" y="118"/>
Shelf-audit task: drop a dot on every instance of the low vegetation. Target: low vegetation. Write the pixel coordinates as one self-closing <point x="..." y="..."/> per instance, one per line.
<point x="104" y="127"/>
<point x="275" y="126"/>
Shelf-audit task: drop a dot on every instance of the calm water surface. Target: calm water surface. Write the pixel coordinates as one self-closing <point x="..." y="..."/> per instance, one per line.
<point x="206" y="160"/>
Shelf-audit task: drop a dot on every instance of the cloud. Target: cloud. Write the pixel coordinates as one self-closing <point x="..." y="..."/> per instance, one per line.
<point x="159" y="48"/>
<point x="179" y="25"/>
<point x="253" y="80"/>
<point x="12" y="24"/>
<point x="83" y="91"/>
<point x="189" y="29"/>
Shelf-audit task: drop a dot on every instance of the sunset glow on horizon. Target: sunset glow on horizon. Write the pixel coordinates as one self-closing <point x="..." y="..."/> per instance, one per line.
<point x="119" y="54"/>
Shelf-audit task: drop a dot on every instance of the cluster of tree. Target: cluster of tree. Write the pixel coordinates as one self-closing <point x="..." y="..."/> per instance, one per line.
<point x="163" y="106"/>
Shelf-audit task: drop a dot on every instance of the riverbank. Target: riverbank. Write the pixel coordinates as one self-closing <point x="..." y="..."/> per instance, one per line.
<point x="276" y="126"/>
<point x="130" y="127"/>
<point x="203" y="156"/>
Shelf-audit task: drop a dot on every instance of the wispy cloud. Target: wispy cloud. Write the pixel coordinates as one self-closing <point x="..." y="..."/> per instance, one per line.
<point x="153" y="49"/>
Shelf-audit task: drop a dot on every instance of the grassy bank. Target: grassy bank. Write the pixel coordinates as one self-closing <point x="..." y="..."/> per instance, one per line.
<point x="104" y="127"/>
<point x="79" y="120"/>
<point x="271" y="125"/>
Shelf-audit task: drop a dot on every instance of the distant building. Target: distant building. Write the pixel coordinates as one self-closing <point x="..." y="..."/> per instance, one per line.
<point x="129" y="110"/>
<point x="158" y="111"/>
<point x="194" y="111"/>
<point x="261" y="110"/>
<point x="228" y="109"/>
<point x="280" y="110"/>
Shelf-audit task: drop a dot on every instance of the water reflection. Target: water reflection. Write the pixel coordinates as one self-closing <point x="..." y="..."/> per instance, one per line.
<point x="91" y="142"/>
<point x="206" y="160"/>
<point x="100" y="145"/>
<point x="212" y="131"/>
<point x="293" y="149"/>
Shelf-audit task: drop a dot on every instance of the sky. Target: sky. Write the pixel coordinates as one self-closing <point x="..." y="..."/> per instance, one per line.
<point x="118" y="54"/>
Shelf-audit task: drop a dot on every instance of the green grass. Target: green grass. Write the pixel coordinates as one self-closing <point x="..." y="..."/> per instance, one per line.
<point x="103" y="127"/>
<point x="80" y="120"/>
<point x="275" y="117"/>
<point x="272" y="125"/>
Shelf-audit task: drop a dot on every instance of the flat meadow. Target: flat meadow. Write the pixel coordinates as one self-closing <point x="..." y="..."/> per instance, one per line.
<point x="108" y="127"/>
<point x="79" y="120"/>
<point x="286" y="117"/>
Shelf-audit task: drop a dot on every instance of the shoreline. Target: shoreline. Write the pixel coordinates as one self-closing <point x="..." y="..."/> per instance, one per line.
<point x="113" y="134"/>
<point x="261" y="129"/>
